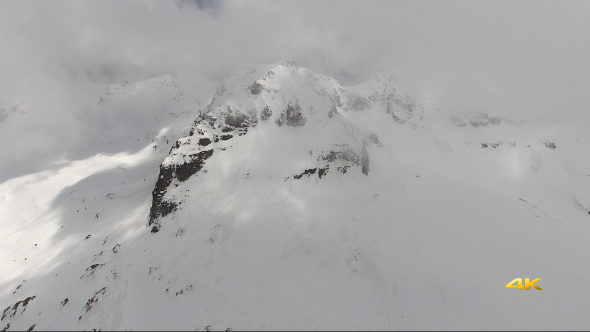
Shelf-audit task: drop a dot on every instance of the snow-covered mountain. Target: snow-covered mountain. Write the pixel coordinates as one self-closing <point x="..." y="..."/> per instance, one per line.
<point x="283" y="200"/>
<point x="281" y="123"/>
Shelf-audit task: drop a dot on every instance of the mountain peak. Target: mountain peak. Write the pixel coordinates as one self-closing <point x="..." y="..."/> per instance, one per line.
<point x="290" y="64"/>
<point x="318" y="123"/>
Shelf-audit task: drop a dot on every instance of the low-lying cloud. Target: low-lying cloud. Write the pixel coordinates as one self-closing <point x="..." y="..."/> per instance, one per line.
<point x="526" y="57"/>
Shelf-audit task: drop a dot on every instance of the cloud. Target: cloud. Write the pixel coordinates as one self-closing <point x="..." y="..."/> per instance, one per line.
<point x="526" y="57"/>
<point x="210" y="6"/>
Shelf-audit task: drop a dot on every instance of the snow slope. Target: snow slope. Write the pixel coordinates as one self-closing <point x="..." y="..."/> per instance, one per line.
<point x="287" y="201"/>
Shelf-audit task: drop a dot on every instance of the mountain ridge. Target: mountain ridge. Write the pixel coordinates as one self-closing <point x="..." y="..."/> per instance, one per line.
<point x="286" y="94"/>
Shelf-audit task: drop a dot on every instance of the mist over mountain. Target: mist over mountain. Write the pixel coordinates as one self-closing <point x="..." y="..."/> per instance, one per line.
<point x="240" y="165"/>
<point x="280" y="199"/>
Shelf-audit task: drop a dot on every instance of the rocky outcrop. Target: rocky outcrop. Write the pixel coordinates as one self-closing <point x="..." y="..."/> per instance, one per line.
<point x="289" y="96"/>
<point x="401" y="108"/>
<point x="493" y="145"/>
<point x="255" y="88"/>
<point x="480" y="120"/>
<point x="347" y="157"/>
<point x="307" y="172"/>
<point x="265" y="114"/>
<point x="12" y="310"/>
<point x="333" y="111"/>
<point x="293" y="116"/>
<point x="160" y="206"/>
<point x="342" y="158"/>
<point x="189" y="155"/>
<point x="550" y="145"/>
<point x="356" y="103"/>
<point x="93" y="300"/>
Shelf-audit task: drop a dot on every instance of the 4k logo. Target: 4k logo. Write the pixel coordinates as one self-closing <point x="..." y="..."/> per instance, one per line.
<point x="527" y="284"/>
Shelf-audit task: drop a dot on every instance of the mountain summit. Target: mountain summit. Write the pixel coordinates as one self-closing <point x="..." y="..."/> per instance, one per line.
<point x="292" y="114"/>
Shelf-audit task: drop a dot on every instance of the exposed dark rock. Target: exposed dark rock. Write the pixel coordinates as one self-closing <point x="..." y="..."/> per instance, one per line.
<point x="550" y="145"/>
<point x="64" y="302"/>
<point x="94" y="266"/>
<point x="255" y="88"/>
<point x="307" y="172"/>
<point x="90" y="270"/>
<point x="31" y="328"/>
<point x="479" y="120"/>
<point x="373" y="138"/>
<point x="223" y="124"/>
<point x="292" y="116"/>
<point x="347" y="154"/>
<point x="323" y="171"/>
<point x="337" y="99"/>
<point x="281" y="120"/>
<point x="290" y="64"/>
<point x="345" y="158"/>
<point x="160" y="207"/>
<point x="397" y="119"/>
<point x="365" y="161"/>
<point x="342" y="169"/>
<point x="6" y="328"/>
<point x="238" y="120"/>
<point x="184" y="171"/>
<point x="93" y="300"/>
<point x="358" y="104"/>
<point x="484" y="120"/>
<point x="204" y="141"/>
<point x="11" y="311"/>
<point x="493" y="145"/>
<point x="476" y="123"/>
<point x="266" y="113"/>
<point x="333" y="111"/>
<point x="495" y="121"/>
<point x="401" y="107"/>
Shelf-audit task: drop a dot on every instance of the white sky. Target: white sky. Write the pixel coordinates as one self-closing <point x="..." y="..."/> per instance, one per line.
<point x="530" y="57"/>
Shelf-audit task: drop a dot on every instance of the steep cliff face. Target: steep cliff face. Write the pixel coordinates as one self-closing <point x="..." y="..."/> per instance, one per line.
<point x="286" y="100"/>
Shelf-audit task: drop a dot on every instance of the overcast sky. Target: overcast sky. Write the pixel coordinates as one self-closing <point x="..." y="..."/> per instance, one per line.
<point x="530" y="57"/>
